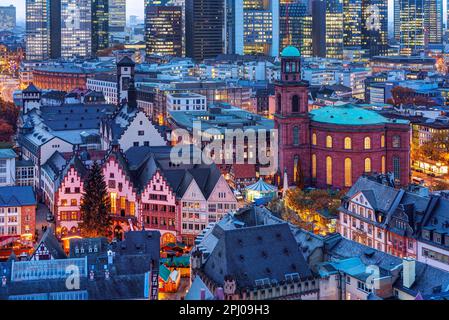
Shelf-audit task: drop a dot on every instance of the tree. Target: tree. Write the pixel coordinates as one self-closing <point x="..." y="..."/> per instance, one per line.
<point x="437" y="148"/>
<point x="6" y="131"/>
<point x="406" y="96"/>
<point x="95" y="205"/>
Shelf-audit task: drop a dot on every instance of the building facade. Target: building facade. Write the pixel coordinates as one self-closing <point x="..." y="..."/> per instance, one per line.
<point x="334" y="145"/>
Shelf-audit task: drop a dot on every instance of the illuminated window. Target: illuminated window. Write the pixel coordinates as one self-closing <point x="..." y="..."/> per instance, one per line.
<point x="296" y="169"/>
<point x="113" y="202"/>
<point x="122" y="203"/>
<point x="132" y="208"/>
<point x="383" y="165"/>
<point x="329" y="170"/>
<point x="367" y="143"/>
<point x="314" y="166"/>
<point x="348" y="143"/>
<point x="63" y="202"/>
<point x="296" y="136"/>
<point x="382" y="141"/>
<point x="73" y="203"/>
<point x="368" y="165"/>
<point x="348" y="172"/>
<point x="314" y="139"/>
<point x="328" y="142"/>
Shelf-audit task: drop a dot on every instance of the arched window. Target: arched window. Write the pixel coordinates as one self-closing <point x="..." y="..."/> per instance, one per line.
<point x="348" y="143"/>
<point x="348" y="172"/>
<point x="328" y="170"/>
<point x="329" y="142"/>
<point x="278" y="103"/>
<point x="314" y="139"/>
<point x="296" y="136"/>
<point x="382" y="141"/>
<point x="367" y="143"/>
<point x="383" y="165"/>
<point x="368" y="165"/>
<point x="397" y="168"/>
<point x="396" y="142"/>
<point x="314" y="166"/>
<point x="296" y="169"/>
<point x="295" y="103"/>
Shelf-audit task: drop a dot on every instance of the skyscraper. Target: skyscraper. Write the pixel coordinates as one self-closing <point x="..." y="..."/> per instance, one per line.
<point x="164" y="30"/>
<point x="327" y="28"/>
<point x="7" y="18"/>
<point x="420" y="24"/>
<point x="205" y="25"/>
<point x="84" y="30"/>
<point x="43" y="36"/>
<point x="374" y="27"/>
<point x="352" y="15"/>
<point x="117" y="16"/>
<point x="291" y="25"/>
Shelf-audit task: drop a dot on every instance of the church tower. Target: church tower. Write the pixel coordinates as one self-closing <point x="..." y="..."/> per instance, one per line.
<point x="292" y="119"/>
<point x="125" y="74"/>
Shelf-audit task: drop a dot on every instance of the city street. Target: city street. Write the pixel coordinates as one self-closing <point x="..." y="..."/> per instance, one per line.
<point x="7" y="87"/>
<point x="41" y="218"/>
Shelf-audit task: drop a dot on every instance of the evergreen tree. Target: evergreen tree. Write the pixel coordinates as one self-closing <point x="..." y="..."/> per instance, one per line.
<point x="95" y="205"/>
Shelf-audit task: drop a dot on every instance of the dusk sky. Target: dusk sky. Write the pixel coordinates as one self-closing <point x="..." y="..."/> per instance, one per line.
<point x="134" y="7"/>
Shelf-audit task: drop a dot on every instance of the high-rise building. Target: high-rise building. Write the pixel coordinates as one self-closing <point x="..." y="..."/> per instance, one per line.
<point x="327" y="28"/>
<point x="43" y="26"/>
<point x="100" y="25"/>
<point x="7" y="18"/>
<point x="420" y="24"/>
<point x="205" y="25"/>
<point x="252" y="27"/>
<point x="352" y="15"/>
<point x="433" y="12"/>
<point x="291" y="23"/>
<point x="84" y="27"/>
<point x="117" y="16"/>
<point x="397" y="20"/>
<point x="307" y="38"/>
<point x="374" y="27"/>
<point x="164" y="30"/>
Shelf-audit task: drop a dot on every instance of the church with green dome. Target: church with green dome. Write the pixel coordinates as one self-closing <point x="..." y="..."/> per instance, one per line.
<point x="333" y="146"/>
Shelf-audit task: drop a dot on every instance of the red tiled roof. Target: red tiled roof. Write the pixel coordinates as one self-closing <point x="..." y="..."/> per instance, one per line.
<point x="244" y="171"/>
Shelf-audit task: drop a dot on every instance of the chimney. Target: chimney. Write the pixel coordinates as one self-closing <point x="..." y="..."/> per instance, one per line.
<point x="408" y="272"/>
<point x="219" y="293"/>
<point x="203" y="294"/>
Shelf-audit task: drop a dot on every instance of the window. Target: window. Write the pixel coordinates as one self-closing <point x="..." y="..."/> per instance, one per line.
<point x="63" y="202"/>
<point x="314" y="166"/>
<point x="296" y="169"/>
<point x="278" y="103"/>
<point x="396" y="168"/>
<point x="329" y="170"/>
<point x="396" y="142"/>
<point x="113" y="202"/>
<point x="136" y="144"/>
<point x="295" y="103"/>
<point x="73" y="202"/>
<point x="141" y="133"/>
<point x="368" y="165"/>
<point x="328" y="142"/>
<point x="383" y="165"/>
<point x="348" y="143"/>
<point x="296" y="136"/>
<point x="348" y="172"/>
<point x="367" y="143"/>
<point x="314" y="139"/>
<point x="382" y="141"/>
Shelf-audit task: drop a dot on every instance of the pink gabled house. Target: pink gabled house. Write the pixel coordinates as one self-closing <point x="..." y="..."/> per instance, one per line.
<point x="67" y="198"/>
<point x="146" y="190"/>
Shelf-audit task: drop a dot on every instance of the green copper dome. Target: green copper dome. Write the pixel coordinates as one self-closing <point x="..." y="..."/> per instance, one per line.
<point x="350" y="115"/>
<point x="290" y="51"/>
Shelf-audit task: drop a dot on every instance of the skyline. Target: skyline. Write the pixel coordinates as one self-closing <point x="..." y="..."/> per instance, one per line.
<point x="133" y="7"/>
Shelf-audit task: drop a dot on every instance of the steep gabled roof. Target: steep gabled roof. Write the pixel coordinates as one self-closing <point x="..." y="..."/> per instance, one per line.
<point x="52" y="244"/>
<point x="250" y="254"/>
